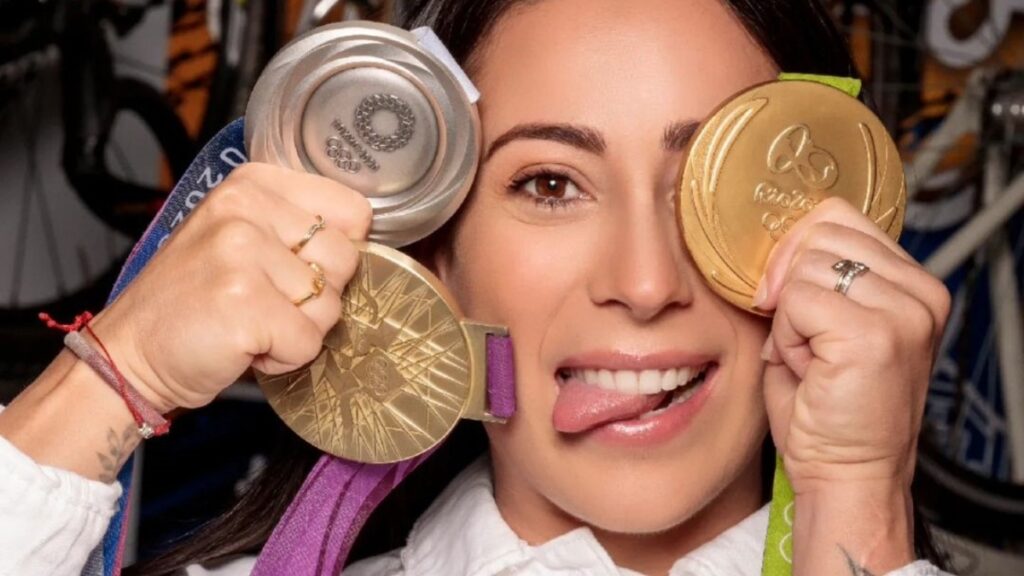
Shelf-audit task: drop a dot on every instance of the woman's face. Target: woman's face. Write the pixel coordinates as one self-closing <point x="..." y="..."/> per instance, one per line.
<point x="570" y="239"/>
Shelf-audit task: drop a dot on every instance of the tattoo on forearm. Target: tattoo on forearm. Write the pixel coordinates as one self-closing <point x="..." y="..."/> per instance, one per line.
<point x="855" y="568"/>
<point x="118" y="449"/>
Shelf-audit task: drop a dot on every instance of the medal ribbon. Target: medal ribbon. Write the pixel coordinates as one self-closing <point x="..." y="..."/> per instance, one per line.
<point x="778" y="543"/>
<point x="322" y="522"/>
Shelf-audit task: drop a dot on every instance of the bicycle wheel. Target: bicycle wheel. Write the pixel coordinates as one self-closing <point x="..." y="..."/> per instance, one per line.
<point x="125" y="205"/>
<point x="963" y="482"/>
<point x="60" y="246"/>
<point x="54" y="253"/>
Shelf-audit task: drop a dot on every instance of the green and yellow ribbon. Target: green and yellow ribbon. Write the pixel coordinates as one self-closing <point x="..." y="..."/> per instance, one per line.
<point x="778" y="543"/>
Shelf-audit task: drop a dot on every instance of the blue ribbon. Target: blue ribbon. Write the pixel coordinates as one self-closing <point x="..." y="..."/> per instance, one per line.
<point x="224" y="153"/>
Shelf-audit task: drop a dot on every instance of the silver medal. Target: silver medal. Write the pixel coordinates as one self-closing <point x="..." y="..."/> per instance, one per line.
<point x="372" y="107"/>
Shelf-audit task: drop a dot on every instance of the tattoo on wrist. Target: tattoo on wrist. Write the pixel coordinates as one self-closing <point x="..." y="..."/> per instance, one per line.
<point x="855" y="568"/>
<point x="118" y="449"/>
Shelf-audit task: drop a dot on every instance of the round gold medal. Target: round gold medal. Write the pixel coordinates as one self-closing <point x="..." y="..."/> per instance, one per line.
<point x="396" y="375"/>
<point x="766" y="158"/>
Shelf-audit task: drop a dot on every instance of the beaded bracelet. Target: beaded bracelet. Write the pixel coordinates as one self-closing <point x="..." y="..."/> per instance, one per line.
<point x="149" y="420"/>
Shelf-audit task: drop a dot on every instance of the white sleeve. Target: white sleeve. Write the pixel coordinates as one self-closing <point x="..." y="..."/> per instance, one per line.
<point x="50" y="519"/>
<point x="919" y="568"/>
<point x="389" y="564"/>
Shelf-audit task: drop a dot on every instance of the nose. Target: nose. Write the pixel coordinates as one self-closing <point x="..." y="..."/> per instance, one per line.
<point x="643" y="266"/>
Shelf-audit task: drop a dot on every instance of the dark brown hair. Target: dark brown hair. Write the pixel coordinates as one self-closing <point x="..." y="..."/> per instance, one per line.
<point x="798" y="34"/>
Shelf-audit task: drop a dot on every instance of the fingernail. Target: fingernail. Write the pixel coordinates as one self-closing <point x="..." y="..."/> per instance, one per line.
<point x="761" y="295"/>
<point x="768" y="350"/>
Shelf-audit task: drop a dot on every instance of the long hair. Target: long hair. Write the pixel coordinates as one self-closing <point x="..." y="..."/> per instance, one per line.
<point x="799" y="36"/>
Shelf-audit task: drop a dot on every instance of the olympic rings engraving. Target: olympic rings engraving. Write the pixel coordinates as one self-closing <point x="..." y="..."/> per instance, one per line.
<point x="375" y="103"/>
<point x="342" y="156"/>
<point x="776" y="225"/>
<point x="793" y="149"/>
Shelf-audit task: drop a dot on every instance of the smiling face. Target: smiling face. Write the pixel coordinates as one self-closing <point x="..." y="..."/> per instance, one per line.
<point x="570" y="239"/>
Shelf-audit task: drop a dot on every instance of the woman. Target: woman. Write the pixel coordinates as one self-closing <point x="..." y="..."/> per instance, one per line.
<point x="570" y="239"/>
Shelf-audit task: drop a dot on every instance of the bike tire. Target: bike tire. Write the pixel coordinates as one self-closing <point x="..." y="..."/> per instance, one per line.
<point x="126" y="206"/>
<point x="963" y="502"/>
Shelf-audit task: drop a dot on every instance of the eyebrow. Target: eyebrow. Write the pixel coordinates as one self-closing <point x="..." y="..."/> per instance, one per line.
<point x="678" y="134"/>
<point x="581" y="137"/>
<point x="675" y="139"/>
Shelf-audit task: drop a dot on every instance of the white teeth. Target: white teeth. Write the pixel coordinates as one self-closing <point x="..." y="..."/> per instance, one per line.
<point x="689" y="372"/>
<point x="669" y="379"/>
<point x="626" y="381"/>
<point x="634" y="382"/>
<point x="649" y="382"/>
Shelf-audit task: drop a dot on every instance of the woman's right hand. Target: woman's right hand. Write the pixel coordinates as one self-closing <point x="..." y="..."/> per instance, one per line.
<point x="219" y="295"/>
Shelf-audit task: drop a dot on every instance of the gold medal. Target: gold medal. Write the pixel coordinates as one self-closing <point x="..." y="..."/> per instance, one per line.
<point x="393" y="378"/>
<point x="766" y="158"/>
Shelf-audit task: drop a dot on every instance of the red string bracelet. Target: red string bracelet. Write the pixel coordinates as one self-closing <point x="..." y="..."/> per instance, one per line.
<point x="149" y="420"/>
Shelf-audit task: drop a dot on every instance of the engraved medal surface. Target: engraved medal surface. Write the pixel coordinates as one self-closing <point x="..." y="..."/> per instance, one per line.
<point x="766" y="158"/>
<point x="393" y="378"/>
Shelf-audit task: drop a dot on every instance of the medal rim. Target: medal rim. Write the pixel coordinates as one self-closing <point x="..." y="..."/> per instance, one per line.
<point x="699" y="245"/>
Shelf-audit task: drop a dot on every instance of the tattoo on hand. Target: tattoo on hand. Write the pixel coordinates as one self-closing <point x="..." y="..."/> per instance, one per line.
<point x="855" y="568"/>
<point x="118" y="449"/>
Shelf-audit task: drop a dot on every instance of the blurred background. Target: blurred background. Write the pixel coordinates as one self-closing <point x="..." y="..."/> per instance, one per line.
<point x="103" y="103"/>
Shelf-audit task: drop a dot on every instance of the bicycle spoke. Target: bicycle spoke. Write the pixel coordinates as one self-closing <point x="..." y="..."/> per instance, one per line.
<point x="122" y="161"/>
<point x="32" y="148"/>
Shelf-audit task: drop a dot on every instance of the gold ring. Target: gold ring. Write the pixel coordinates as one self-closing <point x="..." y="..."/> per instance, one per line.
<point x="316" y="227"/>
<point x="319" y="282"/>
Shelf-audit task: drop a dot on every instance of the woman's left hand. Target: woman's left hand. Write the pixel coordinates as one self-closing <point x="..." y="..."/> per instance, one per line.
<point x="846" y="375"/>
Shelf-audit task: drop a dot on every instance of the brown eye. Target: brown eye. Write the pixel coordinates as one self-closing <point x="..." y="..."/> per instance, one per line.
<point x="551" y="187"/>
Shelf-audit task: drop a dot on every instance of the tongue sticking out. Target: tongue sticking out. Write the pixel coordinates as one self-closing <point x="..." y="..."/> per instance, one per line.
<point x="581" y="406"/>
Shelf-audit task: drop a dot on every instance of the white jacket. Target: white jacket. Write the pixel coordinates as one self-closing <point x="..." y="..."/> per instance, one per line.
<point x="51" y="519"/>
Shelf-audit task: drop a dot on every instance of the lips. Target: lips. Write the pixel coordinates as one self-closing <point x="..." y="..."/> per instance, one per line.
<point x="589" y="398"/>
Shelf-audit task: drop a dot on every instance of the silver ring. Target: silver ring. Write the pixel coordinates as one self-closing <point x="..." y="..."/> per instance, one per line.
<point x="848" y="270"/>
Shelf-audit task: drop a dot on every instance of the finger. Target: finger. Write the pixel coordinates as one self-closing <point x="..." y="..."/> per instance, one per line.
<point x="296" y="279"/>
<point x="868" y="288"/>
<point x="839" y="211"/>
<point x="804" y="325"/>
<point x="290" y="224"/>
<point x="342" y="207"/>
<point x="831" y="210"/>
<point x="334" y="252"/>
<point x="849" y="243"/>
<point x="846" y="243"/>
<point x="292" y="338"/>
<point x="265" y="325"/>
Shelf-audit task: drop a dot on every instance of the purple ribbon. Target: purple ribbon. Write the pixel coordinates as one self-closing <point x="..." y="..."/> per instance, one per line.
<point x="317" y="531"/>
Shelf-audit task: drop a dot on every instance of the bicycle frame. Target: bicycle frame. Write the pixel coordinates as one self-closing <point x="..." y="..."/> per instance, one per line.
<point x="1001" y="202"/>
